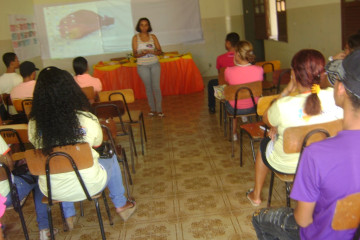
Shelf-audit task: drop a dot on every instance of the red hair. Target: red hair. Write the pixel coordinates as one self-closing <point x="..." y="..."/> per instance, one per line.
<point x="308" y="66"/>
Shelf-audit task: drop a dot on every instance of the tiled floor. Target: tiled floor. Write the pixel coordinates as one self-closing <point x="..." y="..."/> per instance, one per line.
<point x="186" y="186"/>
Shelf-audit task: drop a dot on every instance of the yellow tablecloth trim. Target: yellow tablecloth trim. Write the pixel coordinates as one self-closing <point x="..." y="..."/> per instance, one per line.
<point x="110" y="66"/>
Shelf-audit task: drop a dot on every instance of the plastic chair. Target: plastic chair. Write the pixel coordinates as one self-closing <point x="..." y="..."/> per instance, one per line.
<point x="237" y="92"/>
<point x="295" y="140"/>
<point x="5" y="174"/>
<point x="130" y="116"/>
<point x="65" y="159"/>
<point x="115" y="109"/>
<point x="347" y="214"/>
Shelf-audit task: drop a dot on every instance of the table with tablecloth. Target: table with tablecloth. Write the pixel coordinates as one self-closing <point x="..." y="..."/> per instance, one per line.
<point x="179" y="75"/>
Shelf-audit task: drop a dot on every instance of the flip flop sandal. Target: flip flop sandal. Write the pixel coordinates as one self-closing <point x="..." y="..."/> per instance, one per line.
<point x="251" y="201"/>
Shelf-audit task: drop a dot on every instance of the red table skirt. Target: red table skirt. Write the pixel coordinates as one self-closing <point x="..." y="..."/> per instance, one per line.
<point x="180" y="76"/>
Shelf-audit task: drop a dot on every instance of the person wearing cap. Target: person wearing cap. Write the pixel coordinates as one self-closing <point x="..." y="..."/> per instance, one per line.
<point x="10" y="78"/>
<point x="328" y="170"/>
<point x="26" y="88"/>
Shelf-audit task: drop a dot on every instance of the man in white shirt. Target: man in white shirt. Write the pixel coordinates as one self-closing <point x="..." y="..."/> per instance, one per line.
<point x="10" y="78"/>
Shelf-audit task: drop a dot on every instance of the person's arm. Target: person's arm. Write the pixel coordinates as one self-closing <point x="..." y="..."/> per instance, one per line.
<point x="339" y="56"/>
<point x="158" y="50"/>
<point x="291" y="87"/>
<point x="135" y="49"/>
<point x="303" y="213"/>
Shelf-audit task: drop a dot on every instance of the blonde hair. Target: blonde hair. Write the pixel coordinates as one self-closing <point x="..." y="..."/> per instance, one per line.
<point x="245" y="50"/>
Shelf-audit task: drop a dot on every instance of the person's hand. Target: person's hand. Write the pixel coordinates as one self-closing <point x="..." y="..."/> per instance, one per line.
<point x="290" y="87"/>
<point x="273" y="133"/>
<point x="339" y="56"/>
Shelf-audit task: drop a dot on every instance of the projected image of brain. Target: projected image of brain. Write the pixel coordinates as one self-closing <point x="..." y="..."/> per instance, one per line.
<point x="81" y="23"/>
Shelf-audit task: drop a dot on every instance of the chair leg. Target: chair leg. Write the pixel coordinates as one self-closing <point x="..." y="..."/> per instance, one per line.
<point x="252" y="147"/>
<point x="241" y="147"/>
<point x="225" y="122"/>
<point x="99" y="218"/>
<point x="270" y="189"/>
<point x="143" y="125"/>
<point x="288" y="190"/>
<point x="81" y="209"/>
<point x="220" y="113"/>
<point x="23" y="224"/>
<point x="231" y="137"/>
<point x="107" y="208"/>
<point x="131" y="133"/>
<point x="141" y="138"/>
<point x="127" y="167"/>
<point x="132" y="155"/>
<point x="126" y="173"/>
<point x="52" y="235"/>
<point x="65" y="226"/>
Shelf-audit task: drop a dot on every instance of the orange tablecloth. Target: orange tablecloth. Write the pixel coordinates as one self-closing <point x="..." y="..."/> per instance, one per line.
<point x="178" y="76"/>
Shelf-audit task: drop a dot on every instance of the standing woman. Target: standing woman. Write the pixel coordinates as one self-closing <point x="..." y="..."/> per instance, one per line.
<point x="146" y="48"/>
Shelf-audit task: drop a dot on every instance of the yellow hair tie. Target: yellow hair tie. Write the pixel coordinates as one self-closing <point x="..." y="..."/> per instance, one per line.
<point x="315" y="88"/>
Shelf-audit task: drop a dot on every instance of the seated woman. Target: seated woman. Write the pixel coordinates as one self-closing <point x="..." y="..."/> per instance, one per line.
<point x="60" y="116"/>
<point x="24" y="184"/>
<point x="310" y="106"/>
<point x="242" y="72"/>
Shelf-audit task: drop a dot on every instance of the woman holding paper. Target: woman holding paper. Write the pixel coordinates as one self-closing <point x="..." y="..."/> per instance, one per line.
<point x="146" y="48"/>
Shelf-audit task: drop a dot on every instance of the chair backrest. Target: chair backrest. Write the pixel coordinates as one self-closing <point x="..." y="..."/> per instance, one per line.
<point x="113" y="109"/>
<point x="269" y="66"/>
<point x="221" y="76"/>
<point x="26" y="106"/>
<point x="80" y="152"/>
<point x="108" y="109"/>
<point x="264" y="103"/>
<point x="294" y="136"/>
<point x="15" y="134"/>
<point x="347" y="213"/>
<point x="109" y="128"/>
<point x="17" y="105"/>
<point x="281" y="77"/>
<point x="89" y="93"/>
<point x="255" y="87"/>
<point x="23" y="105"/>
<point x="4" y="172"/>
<point x="128" y="94"/>
<point x="5" y="97"/>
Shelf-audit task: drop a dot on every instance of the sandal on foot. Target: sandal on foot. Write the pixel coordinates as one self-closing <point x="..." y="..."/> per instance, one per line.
<point x="130" y="208"/>
<point x="251" y="201"/>
<point x="45" y="233"/>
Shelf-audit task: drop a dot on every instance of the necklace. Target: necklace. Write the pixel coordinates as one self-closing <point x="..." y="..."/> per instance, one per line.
<point x="242" y="65"/>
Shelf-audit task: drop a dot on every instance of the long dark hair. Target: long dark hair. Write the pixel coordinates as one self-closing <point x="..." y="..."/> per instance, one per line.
<point x="308" y="66"/>
<point x="56" y="102"/>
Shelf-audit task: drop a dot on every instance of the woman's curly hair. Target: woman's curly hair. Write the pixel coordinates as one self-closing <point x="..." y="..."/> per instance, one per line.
<point x="56" y="101"/>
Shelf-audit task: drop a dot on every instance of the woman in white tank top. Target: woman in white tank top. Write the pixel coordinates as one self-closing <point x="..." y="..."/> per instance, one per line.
<point x="146" y="48"/>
